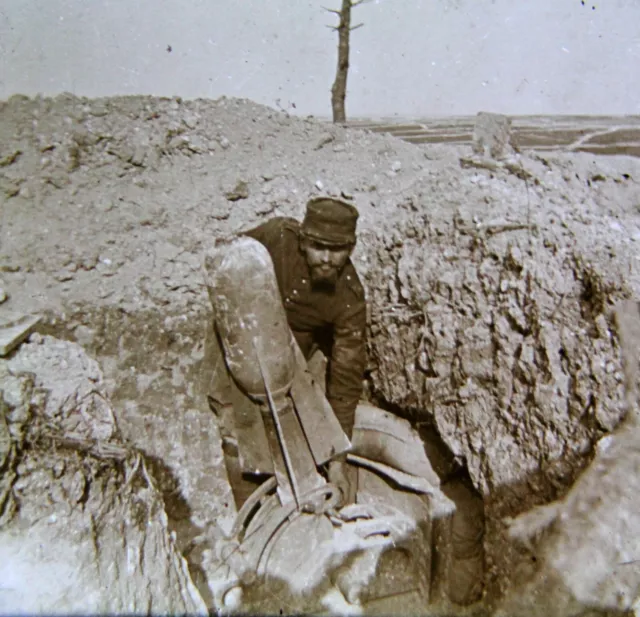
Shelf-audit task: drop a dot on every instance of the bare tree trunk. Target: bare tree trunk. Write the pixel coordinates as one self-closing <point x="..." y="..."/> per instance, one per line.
<point x="339" y="88"/>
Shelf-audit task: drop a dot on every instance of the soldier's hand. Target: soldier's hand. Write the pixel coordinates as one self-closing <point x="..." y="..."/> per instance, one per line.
<point x="340" y="474"/>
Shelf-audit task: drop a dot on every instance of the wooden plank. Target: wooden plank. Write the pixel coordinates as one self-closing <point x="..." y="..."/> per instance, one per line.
<point x="304" y="468"/>
<point x="323" y="432"/>
<point x="300" y="467"/>
<point x="285" y="491"/>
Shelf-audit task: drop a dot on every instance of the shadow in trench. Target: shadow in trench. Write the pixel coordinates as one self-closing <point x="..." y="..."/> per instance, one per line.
<point x="465" y="576"/>
<point x="459" y="557"/>
<point x="186" y="532"/>
<point x="464" y="567"/>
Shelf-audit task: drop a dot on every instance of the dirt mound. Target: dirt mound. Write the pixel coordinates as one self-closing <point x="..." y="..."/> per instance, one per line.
<point x="489" y="284"/>
<point x="80" y="514"/>
<point x="126" y="192"/>
<point x="596" y="523"/>
<point x="502" y="336"/>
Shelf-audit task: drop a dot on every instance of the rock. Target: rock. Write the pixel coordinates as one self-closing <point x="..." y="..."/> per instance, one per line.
<point x="84" y="335"/>
<point x="10" y="158"/>
<point x="5" y="437"/>
<point x="220" y="214"/>
<point x="396" y="166"/>
<point x="9" y="187"/>
<point x="58" y="179"/>
<point x="74" y="486"/>
<point x="197" y="144"/>
<point x="324" y="140"/>
<point x="26" y="192"/>
<point x="89" y="261"/>
<point x="267" y="208"/>
<point x="191" y="120"/>
<point x="241" y="191"/>
<point x="106" y="266"/>
<point x="104" y="292"/>
<point x="10" y="267"/>
<point x="4" y="296"/>
<point x="597" y="523"/>
<point x="14" y="329"/>
<point x="99" y="109"/>
<point x="64" y="275"/>
<point x="492" y="135"/>
<point x="139" y="155"/>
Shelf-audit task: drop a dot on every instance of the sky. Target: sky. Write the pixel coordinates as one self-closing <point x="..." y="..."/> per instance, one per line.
<point x="411" y="58"/>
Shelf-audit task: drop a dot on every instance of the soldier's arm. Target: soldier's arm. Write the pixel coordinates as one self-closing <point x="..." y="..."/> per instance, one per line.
<point x="347" y="363"/>
<point x="268" y="233"/>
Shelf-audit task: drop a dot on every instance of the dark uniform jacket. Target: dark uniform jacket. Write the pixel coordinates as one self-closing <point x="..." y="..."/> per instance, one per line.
<point x="333" y="321"/>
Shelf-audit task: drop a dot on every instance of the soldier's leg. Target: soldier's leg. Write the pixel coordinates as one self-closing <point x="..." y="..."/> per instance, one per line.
<point x="217" y="385"/>
<point x="242" y="485"/>
<point x="466" y="570"/>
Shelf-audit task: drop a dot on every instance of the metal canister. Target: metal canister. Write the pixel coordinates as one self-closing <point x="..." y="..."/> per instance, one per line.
<point x="250" y="317"/>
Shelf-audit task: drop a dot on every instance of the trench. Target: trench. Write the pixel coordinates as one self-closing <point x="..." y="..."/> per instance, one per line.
<point x="465" y="581"/>
<point x="151" y="362"/>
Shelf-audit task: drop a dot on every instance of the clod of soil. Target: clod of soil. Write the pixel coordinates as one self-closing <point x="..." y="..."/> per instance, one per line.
<point x="80" y="514"/>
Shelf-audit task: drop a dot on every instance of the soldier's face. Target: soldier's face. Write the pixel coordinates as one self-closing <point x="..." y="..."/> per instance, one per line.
<point x="325" y="261"/>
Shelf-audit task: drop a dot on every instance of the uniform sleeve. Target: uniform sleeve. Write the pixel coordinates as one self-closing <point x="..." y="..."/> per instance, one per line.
<point x="347" y="363"/>
<point x="268" y="233"/>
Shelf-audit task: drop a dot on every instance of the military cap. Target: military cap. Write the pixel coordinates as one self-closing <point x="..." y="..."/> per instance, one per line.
<point x="330" y="221"/>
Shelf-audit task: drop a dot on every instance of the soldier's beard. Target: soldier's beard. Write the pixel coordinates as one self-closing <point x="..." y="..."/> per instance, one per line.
<point x="324" y="277"/>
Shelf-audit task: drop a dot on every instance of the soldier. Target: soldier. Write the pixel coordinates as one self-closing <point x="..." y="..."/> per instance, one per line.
<point x="325" y="307"/>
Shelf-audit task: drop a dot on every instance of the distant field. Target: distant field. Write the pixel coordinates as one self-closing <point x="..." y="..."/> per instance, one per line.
<point x="595" y="134"/>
